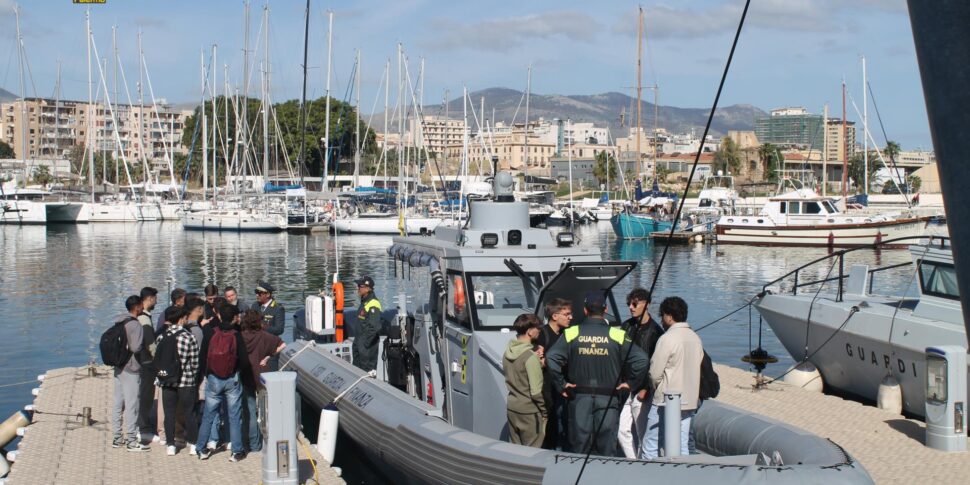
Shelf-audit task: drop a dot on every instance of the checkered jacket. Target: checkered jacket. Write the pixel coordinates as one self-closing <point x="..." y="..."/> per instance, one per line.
<point x="188" y="352"/>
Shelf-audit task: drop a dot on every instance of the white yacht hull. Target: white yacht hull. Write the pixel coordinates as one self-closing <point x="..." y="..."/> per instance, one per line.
<point x="863" y="352"/>
<point x="123" y="212"/>
<point x="747" y="230"/>
<point x="233" y="220"/>
<point x="385" y="225"/>
<point x="23" y="212"/>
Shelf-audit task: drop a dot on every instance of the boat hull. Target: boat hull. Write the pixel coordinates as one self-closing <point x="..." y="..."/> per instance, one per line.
<point x="232" y="220"/>
<point x="408" y="440"/>
<point x="385" y="225"/>
<point x="834" y="235"/>
<point x="22" y="212"/>
<point x="855" y="359"/>
<point x="634" y="226"/>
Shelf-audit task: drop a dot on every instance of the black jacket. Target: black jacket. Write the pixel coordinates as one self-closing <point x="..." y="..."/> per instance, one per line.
<point x="593" y="355"/>
<point x="644" y="336"/>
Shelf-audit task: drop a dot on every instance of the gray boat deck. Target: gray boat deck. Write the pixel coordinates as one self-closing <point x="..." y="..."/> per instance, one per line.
<point x="56" y="448"/>
<point x="889" y="446"/>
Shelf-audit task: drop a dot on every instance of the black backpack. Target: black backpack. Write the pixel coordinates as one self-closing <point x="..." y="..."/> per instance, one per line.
<point x="167" y="361"/>
<point x="114" y="344"/>
<point x="710" y="384"/>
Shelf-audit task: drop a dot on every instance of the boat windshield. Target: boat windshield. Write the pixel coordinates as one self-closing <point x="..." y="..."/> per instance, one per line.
<point x="497" y="298"/>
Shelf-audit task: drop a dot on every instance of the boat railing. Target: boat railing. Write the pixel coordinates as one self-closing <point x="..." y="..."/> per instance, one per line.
<point x="842" y="275"/>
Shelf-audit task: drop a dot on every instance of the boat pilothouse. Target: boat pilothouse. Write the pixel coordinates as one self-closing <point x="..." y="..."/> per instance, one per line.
<point x="439" y="396"/>
<point x="856" y="337"/>
<point x="798" y="216"/>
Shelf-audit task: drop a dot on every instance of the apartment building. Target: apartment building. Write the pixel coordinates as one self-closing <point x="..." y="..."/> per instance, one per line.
<point x="52" y="128"/>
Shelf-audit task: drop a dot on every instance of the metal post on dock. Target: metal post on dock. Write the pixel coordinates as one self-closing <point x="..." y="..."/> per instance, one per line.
<point x="278" y="423"/>
<point x="671" y="420"/>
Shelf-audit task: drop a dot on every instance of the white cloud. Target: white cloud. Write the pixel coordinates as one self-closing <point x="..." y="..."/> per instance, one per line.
<point x="668" y="22"/>
<point x="504" y="34"/>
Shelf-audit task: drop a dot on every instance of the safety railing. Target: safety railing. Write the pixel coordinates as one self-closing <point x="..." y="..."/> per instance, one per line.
<point x="943" y="241"/>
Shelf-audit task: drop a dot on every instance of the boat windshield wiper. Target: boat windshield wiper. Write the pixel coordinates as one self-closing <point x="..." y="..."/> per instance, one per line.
<point x="518" y="271"/>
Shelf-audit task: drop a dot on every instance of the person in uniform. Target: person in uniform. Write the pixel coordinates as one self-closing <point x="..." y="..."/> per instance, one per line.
<point x="274" y="316"/>
<point x="594" y="355"/>
<point x="368" y="325"/>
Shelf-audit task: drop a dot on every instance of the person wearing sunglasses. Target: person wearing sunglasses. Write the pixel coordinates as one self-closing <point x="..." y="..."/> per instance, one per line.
<point x="644" y="331"/>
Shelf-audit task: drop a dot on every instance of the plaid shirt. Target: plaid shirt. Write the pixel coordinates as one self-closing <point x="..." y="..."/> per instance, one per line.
<point x="188" y="352"/>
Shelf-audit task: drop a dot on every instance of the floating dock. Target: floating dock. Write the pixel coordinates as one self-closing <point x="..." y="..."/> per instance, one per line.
<point x="58" y="448"/>
<point x="682" y="237"/>
<point x="889" y="446"/>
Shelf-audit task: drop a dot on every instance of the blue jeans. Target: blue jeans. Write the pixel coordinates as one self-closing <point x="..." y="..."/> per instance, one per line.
<point x="215" y="433"/>
<point x="653" y="440"/>
<point x="218" y="391"/>
<point x="255" y="438"/>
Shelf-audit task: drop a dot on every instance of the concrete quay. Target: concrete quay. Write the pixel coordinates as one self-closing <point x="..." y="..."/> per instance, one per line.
<point x="889" y="446"/>
<point x="57" y="448"/>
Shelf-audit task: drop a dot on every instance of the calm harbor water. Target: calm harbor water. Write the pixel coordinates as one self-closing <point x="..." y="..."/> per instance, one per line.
<point x="61" y="285"/>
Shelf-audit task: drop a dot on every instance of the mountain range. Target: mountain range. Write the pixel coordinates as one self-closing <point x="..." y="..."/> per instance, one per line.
<point x="616" y="110"/>
<point x="7" y="95"/>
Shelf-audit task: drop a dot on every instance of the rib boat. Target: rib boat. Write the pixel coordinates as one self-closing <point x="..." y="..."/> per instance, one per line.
<point x="435" y="413"/>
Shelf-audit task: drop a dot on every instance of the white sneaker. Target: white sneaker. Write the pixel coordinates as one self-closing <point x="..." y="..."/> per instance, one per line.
<point x="170" y="450"/>
<point x="157" y="439"/>
<point x="212" y="445"/>
<point x="191" y="449"/>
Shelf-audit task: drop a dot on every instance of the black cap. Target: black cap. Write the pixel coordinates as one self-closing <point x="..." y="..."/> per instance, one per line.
<point x="148" y="291"/>
<point x="365" y="281"/>
<point x="262" y="286"/>
<point x="595" y="300"/>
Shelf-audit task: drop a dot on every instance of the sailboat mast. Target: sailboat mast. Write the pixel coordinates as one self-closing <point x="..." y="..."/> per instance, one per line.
<point x="243" y="133"/>
<point x="825" y="150"/>
<point x="117" y="61"/>
<point x="845" y="145"/>
<point x="656" y="127"/>
<point x="265" y="101"/>
<point x="357" y="144"/>
<point x="306" y="46"/>
<point x="639" y="92"/>
<point x="528" y="89"/>
<point x="326" y="127"/>
<point x="205" y="130"/>
<point x="215" y="122"/>
<point x="91" y="109"/>
<point x="865" y="128"/>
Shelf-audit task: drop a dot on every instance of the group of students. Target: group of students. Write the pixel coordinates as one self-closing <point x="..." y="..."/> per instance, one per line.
<point x="190" y="379"/>
<point x="592" y="386"/>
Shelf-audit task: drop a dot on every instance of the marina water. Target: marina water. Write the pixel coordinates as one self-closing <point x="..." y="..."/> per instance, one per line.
<point x="61" y="285"/>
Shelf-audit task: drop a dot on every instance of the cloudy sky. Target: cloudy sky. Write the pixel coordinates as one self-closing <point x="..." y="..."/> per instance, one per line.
<point x="791" y="52"/>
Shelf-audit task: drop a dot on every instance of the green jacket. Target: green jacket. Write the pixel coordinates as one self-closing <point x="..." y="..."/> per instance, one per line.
<point x="523" y="377"/>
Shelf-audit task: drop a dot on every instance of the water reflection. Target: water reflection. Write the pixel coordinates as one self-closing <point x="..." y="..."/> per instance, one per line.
<point x="61" y="285"/>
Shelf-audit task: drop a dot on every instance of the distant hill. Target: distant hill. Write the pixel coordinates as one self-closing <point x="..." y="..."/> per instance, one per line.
<point x="7" y="95"/>
<point x="602" y="109"/>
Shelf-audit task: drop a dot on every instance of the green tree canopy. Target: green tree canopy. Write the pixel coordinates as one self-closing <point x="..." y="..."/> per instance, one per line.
<point x="285" y="140"/>
<point x="727" y="158"/>
<point x="605" y="165"/>
<point x="6" y="151"/>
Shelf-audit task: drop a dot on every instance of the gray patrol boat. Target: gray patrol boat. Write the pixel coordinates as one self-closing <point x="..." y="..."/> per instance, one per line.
<point x="435" y="413"/>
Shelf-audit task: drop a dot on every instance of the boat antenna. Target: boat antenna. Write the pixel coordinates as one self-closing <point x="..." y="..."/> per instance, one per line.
<point x="680" y="206"/>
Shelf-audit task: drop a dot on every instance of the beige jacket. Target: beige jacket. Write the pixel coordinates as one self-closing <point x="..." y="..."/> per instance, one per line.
<point x="676" y="365"/>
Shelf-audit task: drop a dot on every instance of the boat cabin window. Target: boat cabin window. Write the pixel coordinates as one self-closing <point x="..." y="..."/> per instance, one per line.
<point x="829" y="207"/>
<point x="812" y="208"/>
<point x="457" y="307"/>
<point x="497" y="298"/>
<point x="939" y="279"/>
<point x="783" y="207"/>
<point x="794" y="207"/>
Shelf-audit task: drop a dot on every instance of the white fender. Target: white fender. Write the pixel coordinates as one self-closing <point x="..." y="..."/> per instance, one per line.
<point x="805" y="376"/>
<point x="327" y="433"/>
<point x="890" y="397"/>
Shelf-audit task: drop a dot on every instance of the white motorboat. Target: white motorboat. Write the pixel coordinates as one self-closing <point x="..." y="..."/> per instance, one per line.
<point x="718" y="194"/>
<point x="856" y="338"/>
<point x="800" y="217"/>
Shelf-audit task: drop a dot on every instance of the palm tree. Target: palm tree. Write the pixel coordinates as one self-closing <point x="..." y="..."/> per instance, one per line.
<point x="892" y="150"/>
<point x="766" y="153"/>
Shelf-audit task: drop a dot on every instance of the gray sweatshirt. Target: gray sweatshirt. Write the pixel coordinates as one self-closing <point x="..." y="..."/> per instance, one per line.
<point x="134" y="330"/>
